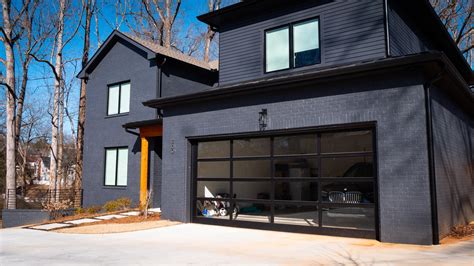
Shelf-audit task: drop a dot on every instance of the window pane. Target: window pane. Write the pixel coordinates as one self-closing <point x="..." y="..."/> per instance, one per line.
<point x="252" y="190"/>
<point x="122" y="167"/>
<point x="252" y="212"/>
<point x="277" y="48"/>
<point x="298" y="191"/>
<point x="214" y="149"/>
<point x="113" y="100"/>
<point x="306" y="43"/>
<point x="349" y="218"/>
<point x="348" y="192"/>
<point x="211" y="189"/>
<point x="213" y="209"/>
<point x="296" y="168"/>
<point x="110" y="166"/>
<point x="213" y="169"/>
<point x="291" y="145"/>
<point x="351" y="141"/>
<point x="252" y="147"/>
<point x="296" y="215"/>
<point x="252" y="169"/>
<point x="125" y="98"/>
<point x="347" y="167"/>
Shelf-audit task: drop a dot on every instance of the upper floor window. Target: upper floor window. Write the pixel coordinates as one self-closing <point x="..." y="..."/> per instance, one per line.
<point x="118" y="99"/>
<point x="292" y="46"/>
<point x="116" y="166"/>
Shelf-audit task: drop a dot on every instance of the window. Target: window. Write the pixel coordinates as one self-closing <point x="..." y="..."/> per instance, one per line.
<point x="318" y="179"/>
<point x="282" y="53"/>
<point x="119" y="99"/>
<point x="116" y="165"/>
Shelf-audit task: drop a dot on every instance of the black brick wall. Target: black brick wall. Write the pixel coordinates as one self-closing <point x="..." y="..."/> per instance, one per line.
<point x="453" y="134"/>
<point x="395" y="102"/>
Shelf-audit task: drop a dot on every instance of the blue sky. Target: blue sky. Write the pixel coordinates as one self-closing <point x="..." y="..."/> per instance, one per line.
<point x="40" y="76"/>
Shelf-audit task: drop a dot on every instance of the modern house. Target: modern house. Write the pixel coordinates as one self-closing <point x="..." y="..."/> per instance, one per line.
<point x="351" y="118"/>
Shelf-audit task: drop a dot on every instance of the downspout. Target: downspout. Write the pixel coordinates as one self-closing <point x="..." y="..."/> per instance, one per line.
<point x="159" y="81"/>
<point x="388" y="52"/>
<point x="431" y="161"/>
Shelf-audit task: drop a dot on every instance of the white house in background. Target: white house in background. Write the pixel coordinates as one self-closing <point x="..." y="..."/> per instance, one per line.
<point x="39" y="167"/>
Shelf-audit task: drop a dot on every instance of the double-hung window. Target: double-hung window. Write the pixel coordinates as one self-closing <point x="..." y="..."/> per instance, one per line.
<point x="118" y="99"/>
<point x="116" y="166"/>
<point x="292" y="46"/>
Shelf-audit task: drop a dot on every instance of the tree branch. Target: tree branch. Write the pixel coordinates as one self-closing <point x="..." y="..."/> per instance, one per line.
<point x="56" y="76"/>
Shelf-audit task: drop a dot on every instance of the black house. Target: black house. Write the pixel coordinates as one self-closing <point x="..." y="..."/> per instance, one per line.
<point x="350" y="118"/>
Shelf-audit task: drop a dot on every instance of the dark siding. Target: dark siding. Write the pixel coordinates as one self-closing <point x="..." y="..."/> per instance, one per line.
<point x="405" y="35"/>
<point x="395" y="102"/>
<point x="350" y="31"/>
<point x="453" y="136"/>
<point x="179" y="78"/>
<point x="121" y="63"/>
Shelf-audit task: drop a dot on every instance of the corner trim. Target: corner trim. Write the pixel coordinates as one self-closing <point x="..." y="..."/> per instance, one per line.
<point x="431" y="160"/>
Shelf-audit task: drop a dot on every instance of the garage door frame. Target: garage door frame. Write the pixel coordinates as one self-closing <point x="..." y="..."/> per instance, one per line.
<point x="359" y="233"/>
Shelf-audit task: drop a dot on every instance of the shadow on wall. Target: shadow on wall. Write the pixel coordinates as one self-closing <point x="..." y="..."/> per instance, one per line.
<point x="454" y="155"/>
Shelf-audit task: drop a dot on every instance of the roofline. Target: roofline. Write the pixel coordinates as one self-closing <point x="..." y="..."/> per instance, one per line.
<point x="115" y="34"/>
<point x="204" y="17"/>
<point x="138" y="124"/>
<point x="149" y="53"/>
<point x="335" y="72"/>
<point x="448" y="37"/>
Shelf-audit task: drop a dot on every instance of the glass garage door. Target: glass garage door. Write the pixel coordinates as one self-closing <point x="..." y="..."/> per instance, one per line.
<point x="322" y="182"/>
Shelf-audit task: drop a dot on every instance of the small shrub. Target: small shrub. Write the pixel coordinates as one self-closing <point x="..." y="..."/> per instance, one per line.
<point x="79" y="211"/>
<point x="56" y="208"/>
<point x="92" y="210"/>
<point x="117" y="205"/>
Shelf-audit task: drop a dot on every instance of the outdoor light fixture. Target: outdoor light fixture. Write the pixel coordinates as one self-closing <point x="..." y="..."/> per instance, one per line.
<point x="263" y="119"/>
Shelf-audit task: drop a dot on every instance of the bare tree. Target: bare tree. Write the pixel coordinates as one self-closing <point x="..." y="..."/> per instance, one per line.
<point x="89" y="9"/>
<point x="213" y="6"/>
<point x="457" y="16"/>
<point x="57" y="68"/>
<point x="10" y="35"/>
<point x="162" y="15"/>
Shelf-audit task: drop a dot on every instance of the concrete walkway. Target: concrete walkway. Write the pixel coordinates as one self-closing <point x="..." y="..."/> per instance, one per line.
<point x="211" y="245"/>
<point x="70" y="223"/>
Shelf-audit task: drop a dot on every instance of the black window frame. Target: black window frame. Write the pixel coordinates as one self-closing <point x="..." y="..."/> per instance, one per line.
<point x="290" y="27"/>
<point x="322" y="228"/>
<point x="117" y="148"/>
<point x="119" y="98"/>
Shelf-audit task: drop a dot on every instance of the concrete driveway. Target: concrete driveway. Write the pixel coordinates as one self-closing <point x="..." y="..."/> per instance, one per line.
<point x="209" y="245"/>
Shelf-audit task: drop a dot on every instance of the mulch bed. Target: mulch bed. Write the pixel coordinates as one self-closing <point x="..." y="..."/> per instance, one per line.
<point x="462" y="231"/>
<point x="126" y="220"/>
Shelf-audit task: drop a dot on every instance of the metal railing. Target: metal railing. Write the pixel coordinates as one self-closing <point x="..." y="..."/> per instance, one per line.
<point x="37" y="198"/>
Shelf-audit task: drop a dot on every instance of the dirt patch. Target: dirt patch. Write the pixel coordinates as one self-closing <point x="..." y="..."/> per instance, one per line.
<point x="117" y="227"/>
<point x="126" y="220"/>
<point x="460" y="233"/>
<point x="84" y="216"/>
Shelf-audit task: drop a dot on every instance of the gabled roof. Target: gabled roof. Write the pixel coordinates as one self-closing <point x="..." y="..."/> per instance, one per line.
<point x="151" y="49"/>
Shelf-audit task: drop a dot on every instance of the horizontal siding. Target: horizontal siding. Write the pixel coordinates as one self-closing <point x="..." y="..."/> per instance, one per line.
<point x="405" y="38"/>
<point x="350" y="31"/>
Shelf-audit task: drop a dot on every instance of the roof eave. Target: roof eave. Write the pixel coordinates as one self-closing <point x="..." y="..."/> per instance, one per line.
<point x="109" y="41"/>
<point x="328" y="73"/>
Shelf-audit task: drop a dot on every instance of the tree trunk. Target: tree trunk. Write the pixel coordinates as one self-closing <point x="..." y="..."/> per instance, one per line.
<point x="213" y="6"/>
<point x="82" y="102"/>
<point x="58" y="85"/>
<point x="10" y="106"/>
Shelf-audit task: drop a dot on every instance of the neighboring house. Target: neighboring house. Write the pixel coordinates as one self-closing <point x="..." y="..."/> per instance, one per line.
<point x="350" y="118"/>
<point x="39" y="167"/>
